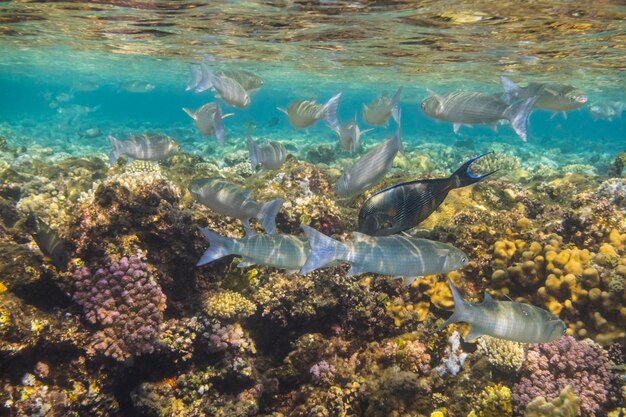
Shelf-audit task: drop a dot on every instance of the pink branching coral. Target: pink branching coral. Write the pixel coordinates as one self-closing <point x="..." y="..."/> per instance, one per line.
<point x="126" y="301"/>
<point x="550" y="367"/>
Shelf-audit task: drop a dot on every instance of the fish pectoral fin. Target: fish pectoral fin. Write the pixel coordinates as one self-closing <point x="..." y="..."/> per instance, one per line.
<point x="488" y="300"/>
<point x="355" y="269"/>
<point x="473" y="335"/>
<point x="245" y="263"/>
<point x="456" y="127"/>
<point x="551" y="91"/>
<point x="407" y="280"/>
<point x="227" y="115"/>
<point x="439" y="98"/>
<point x="291" y="271"/>
<point x="280" y="109"/>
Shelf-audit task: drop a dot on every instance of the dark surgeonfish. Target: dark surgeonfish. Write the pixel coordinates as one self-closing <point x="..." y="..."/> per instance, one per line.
<point x="403" y="206"/>
<point x="303" y="113"/>
<point x="232" y="200"/>
<point x="469" y="108"/>
<point x="280" y="251"/>
<point x="209" y="120"/>
<point x="144" y="146"/>
<point x="378" y="112"/>
<point x="398" y="256"/>
<point x="507" y="320"/>
<point x="550" y="96"/>
<point x="49" y="243"/>
<point x="269" y="155"/>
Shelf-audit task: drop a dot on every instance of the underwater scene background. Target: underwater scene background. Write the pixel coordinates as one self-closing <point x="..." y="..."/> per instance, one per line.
<point x="129" y="288"/>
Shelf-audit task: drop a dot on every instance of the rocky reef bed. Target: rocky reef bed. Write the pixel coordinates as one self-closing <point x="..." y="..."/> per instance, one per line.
<point x="134" y="328"/>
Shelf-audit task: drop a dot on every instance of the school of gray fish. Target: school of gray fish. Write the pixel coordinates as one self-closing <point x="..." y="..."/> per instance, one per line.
<point x="376" y="247"/>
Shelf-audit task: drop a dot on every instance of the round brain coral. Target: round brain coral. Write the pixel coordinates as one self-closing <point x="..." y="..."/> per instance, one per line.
<point x="551" y="367"/>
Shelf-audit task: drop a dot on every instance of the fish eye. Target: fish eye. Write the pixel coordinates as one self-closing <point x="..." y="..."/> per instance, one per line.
<point x="423" y="105"/>
<point x="464" y="260"/>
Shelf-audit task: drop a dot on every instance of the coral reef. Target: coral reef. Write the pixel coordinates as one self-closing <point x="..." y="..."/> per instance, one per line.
<point x="125" y="300"/>
<point x="551" y="367"/>
<point x="504" y="355"/>
<point x="493" y="401"/>
<point x="567" y="404"/>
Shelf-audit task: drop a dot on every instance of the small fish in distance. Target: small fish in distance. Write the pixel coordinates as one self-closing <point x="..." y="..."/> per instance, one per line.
<point x="403" y="206"/>
<point x="378" y="112"/>
<point x="303" y="113"/>
<point x="209" y="120"/>
<point x="49" y="243"/>
<point x="144" y="146"/>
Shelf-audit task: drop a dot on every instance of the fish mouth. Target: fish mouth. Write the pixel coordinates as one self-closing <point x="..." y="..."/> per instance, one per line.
<point x="580" y="99"/>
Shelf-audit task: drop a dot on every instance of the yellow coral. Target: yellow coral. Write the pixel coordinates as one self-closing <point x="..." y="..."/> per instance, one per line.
<point x="228" y="305"/>
<point x="618" y="240"/>
<point x="493" y="401"/>
<point x="506" y="355"/>
<point x="566" y="405"/>
<point x="3" y="288"/>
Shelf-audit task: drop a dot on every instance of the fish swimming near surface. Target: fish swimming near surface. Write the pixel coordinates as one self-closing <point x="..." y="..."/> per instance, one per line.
<point x="137" y="87"/>
<point x="550" y="96"/>
<point x="232" y="200"/>
<point x="49" y="243"/>
<point x="209" y="120"/>
<point x="378" y="112"/>
<point x="248" y="80"/>
<point x="269" y="155"/>
<point x="468" y="108"/>
<point x="398" y="256"/>
<point x="279" y="251"/>
<point x="350" y="135"/>
<point x="370" y="168"/>
<point x="226" y="88"/>
<point x="403" y="206"/>
<point x="607" y="110"/>
<point x="303" y="113"/>
<point x="509" y="320"/>
<point x="195" y="71"/>
<point x="144" y="146"/>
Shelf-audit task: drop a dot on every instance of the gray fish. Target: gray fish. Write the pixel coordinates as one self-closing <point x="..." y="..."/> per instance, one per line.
<point x="403" y="206"/>
<point x="370" y="168"/>
<point x="303" y="113"/>
<point x="271" y="155"/>
<point x="145" y="146"/>
<point x="508" y="320"/>
<point x="468" y="108"/>
<point x="350" y="135"/>
<point x="233" y="200"/>
<point x="280" y="251"/>
<point x="137" y="87"/>
<point x="378" y="112"/>
<point x="49" y="243"/>
<point x="248" y="80"/>
<point x="92" y="132"/>
<point x="550" y="96"/>
<point x="227" y="88"/>
<point x="398" y="256"/>
<point x="607" y="110"/>
<point x="195" y="71"/>
<point x="209" y="120"/>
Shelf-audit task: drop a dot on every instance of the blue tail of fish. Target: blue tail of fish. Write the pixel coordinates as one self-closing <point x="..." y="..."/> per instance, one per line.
<point x="267" y="215"/>
<point x="518" y="116"/>
<point x="460" y="308"/>
<point x="330" y="109"/>
<point x="466" y="177"/>
<point x="395" y="106"/>
<point x="324" y="250"/>
<point x="219" y="246"/>
<point x="116" y="149"/>
<point x="511" y="90"/>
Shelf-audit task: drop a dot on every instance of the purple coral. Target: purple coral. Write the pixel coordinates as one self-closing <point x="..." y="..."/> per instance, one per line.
<point x="223" y="337"/>
<point x="126" y="301"/>
<point x="550" y="367"/>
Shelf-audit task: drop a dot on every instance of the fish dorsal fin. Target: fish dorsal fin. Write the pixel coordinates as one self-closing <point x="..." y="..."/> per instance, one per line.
<point x="488" y="300"/>
<point x="227" y="115"/>
<point x="361" y="237"/>
<point x="473" y="335"/>
<point x="280" y="109"/>
<point x="190" y="113"/>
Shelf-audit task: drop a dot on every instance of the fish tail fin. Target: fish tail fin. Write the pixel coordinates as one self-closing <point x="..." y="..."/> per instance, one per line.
<point x="116" y="149"/>
<point x="460" y="308"/>
<point x="219" y="246"/>
<point x="190" y="113"/>
<point x="218" y="125"/>
<point x="206" y="79"/>
<point x="466" y="177"/>
<point x="267" y="215"/>
<point x="511" y="90"/>
<point x="330" y="111"/>
<point x="518" y="116"/>
<point x="395" y="106"/>
<point x="253" y="148"/>
<point x="398" y="135"/>
<point x="324" y="250"/>
<point x="196" y="76"/>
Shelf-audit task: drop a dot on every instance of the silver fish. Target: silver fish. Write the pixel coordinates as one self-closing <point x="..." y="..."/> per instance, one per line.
<point x="303" y="113"/>
<point x="227" y="88"/>
<point x="403" y="206"/>
<point x="508" y="320"/>
<point x="209" y="120"/>
<point x="270" y="155"/>
<point x="49" y="243"/>
<point x="468" y="108"/>
<point x="195" y="71"/>
<point x="350" y="135"/>
<point x="280" y="251"/>
<point x="145" y="146"/>
<point x="607" y="110"/>
<point x="248" y="80"/>
<point x="137" y="87"/>
<point x="370" y="168"/>
<point x="550" y="96"/>
<point x="92" y="132"/>
<point x="398" y="256"/>
<point x="233" y="200"/>
<point x="378" y="112"/>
